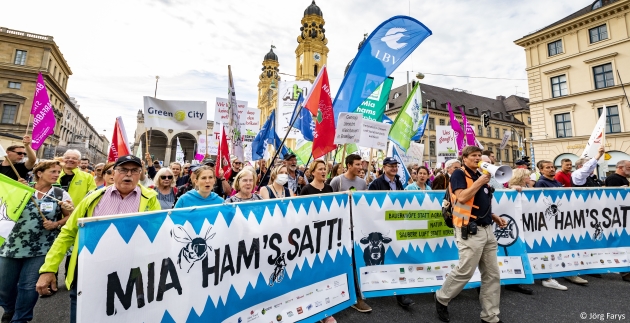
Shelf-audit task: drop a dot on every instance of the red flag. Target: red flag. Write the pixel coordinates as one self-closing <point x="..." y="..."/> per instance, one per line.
<point x="223" y="157"/>
<point x="119" y="145"/>
<point x="319" y="102"/>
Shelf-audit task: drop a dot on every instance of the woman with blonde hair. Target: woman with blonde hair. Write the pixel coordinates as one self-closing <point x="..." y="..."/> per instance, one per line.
<point x="165" y="187"/>
<point x="244" y="184"/>
<point x="520" y="179"/>
<point x="279" y="177"/>
<point x="108" y="174"/>
<point x="98" y="175"/>
<point x="318" y="185"/>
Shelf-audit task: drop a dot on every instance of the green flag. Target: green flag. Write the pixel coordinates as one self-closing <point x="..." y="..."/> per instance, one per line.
<point x="408" y="120"/>
<point x="13" y="199"/>
<point x="303" y="151"/>
<point x="350" y="148"/>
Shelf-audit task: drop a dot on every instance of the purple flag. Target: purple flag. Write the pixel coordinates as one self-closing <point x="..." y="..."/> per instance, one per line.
<point x="470" y="133"/>
<point x="43" y="115"/>
<point x="457" y="129"/>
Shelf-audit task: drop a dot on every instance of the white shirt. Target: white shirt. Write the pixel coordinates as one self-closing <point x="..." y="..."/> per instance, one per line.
<point x="578" y="177"/>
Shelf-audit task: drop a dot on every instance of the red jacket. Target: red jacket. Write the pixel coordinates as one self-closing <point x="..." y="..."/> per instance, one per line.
<point x="563" y="178"/>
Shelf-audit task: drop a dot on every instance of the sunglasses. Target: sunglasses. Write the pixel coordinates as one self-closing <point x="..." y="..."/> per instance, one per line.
<point x="238" y="163"/>
<point x="109" y="172"/>
<point x="166" y="177"/>
<point x="19" y="153"/>
<point x="98" y="170"/>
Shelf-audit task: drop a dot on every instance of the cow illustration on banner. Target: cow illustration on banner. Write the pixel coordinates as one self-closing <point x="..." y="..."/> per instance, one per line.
<point x="244" y="262"/>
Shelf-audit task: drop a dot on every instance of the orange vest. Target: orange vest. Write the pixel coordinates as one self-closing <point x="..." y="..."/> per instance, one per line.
<point x="462" y="212"/>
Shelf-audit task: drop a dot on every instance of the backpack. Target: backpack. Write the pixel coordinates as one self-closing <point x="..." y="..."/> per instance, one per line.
<point x="447" y="208"/>
<point x="58" y="194"/>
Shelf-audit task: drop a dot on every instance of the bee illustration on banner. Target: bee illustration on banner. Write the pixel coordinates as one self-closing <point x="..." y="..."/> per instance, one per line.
<point x="196" y="249"/>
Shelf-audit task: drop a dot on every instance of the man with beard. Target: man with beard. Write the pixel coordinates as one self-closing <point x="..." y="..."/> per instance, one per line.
<point x="620" y="177"/>
<point x="72" y="180"/>
<point x="16" y="154"/>
<point x="84" y="165"/>
<point x="296" y="178"/>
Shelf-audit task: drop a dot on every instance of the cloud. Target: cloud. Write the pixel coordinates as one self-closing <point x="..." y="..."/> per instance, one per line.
<point x="116" y="49"/>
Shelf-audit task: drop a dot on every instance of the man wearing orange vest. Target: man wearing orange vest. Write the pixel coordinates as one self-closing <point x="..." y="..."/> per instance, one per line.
<point x="472" y="217"/>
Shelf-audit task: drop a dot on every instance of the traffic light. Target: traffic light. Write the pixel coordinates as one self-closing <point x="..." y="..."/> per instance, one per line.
<point x="485" y="119"/>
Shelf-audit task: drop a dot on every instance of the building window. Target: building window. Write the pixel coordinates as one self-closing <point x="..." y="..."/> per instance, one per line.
<point x="555" y="48"/>
<point x="559" y="86"/>
<point x="498" y="154"/>
<point x="507" y="154"/>
<point x="20" y="57"/>
<point x="442" y="122"/>
<point x="563" y="125"/>
<point x="315" y="70"/>
<point x="496" y="133"/>
<point x="513" y="138"/>
<point x="480" y="130"/>
<point x="433" y="104"/>
<point x="8" y="113"/>
<point x="598" y="33"/>
<point x="597" y="5"/>
<point x="612" y="119"/>
<point x="514" y="154"/>
<point x="431" y="124"/>
<point x="490" y="148"/>
<point x="432" y="148"/>
<point x="15" y="85"/>
<point x="489" y="132"/>
<point x="603" y="76"/>
<point x="529" y="120"/>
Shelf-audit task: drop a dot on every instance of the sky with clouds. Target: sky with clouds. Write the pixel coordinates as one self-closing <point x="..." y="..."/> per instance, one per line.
<point x="116" y="48"/>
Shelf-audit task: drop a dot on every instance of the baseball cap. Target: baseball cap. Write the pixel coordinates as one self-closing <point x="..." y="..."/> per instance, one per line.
<point x="390" y="161"/>
<point x="208" y="162"/>
<point x="521" y="162"/>
<point x="128" y="159"/>
<point x="289" y="156"/>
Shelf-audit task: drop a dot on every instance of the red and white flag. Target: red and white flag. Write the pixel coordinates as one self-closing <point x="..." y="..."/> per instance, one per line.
<point x="119" y="146"/>
<point x="223" y="157"/>
<point x="319" y="103"/>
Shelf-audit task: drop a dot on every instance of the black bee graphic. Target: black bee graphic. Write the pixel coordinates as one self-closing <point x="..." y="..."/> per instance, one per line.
<point x="195" y="249"/>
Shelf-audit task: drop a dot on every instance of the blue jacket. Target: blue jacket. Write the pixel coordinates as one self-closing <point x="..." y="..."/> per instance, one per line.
<point x="193" y="198"/>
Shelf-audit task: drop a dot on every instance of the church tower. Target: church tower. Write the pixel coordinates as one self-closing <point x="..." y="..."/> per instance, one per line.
<point x="312" y="52"/>
<point x="267" y="86"/>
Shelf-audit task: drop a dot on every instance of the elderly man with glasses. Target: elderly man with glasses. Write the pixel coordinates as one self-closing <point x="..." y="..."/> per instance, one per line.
<point x="74" y="181"/>
<point x="125" y="196"/>
<point x="15" y="154"/>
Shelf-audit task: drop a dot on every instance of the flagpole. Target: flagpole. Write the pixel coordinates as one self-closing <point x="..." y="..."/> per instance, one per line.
<point x="27" y="124"/>
<point x="207" y="140"/>
<point x="146" y="137"/>
<point x="343" y="154"/>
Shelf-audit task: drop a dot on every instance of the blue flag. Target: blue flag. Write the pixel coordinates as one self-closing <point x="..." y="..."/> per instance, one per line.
<point x="423" y="126"/>
<point x="304" y="121"/>
<point x="402" y="169"/>
<point x="267" y="135"/>
<point x="384" y="50"/>
<point x="387" y="120"/>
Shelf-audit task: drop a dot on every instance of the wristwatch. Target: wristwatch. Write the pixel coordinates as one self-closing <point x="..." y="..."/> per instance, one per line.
<point x="59" y="227"/>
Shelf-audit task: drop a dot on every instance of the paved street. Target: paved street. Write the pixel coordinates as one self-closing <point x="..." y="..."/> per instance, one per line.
<point x="608" y="295"/>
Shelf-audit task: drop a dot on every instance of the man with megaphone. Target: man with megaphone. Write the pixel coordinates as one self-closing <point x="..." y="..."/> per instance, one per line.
<point x="471" y="197"/>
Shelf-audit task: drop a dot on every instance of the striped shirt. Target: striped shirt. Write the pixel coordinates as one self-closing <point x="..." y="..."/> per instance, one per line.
<point x="112" y="203"/>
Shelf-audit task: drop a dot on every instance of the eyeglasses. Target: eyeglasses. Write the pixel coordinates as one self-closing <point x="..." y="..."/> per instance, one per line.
<point x="238" y="163"/>
<point x="19" y="153"/>
<point x="166" y="177"/>
<point x="133" y="171"/>
<point x="109" y="171"/>
<point x="98" y="170"/>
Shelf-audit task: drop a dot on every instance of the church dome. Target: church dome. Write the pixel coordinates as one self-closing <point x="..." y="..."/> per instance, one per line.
<point x="271" y="55"/>
<point x="313" y="9"/>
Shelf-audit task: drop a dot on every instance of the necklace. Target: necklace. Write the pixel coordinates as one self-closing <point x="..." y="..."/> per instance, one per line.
<point x="273" y="187"/>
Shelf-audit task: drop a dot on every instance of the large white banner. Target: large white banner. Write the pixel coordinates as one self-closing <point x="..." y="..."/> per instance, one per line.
<point x="288" y="93"/>
<point x="445" y="144"/>
<point x="176" y="115"/>
<point x="276" y="260"/>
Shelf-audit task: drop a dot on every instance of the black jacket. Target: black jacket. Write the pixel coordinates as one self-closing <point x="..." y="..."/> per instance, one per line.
<point x="381" y="184"/>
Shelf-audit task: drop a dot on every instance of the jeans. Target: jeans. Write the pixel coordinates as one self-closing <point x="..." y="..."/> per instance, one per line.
<point x="18" y="277"/>
<point x="73" y="303"/>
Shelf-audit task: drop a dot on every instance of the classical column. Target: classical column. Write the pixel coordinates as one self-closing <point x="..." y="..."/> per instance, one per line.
<point x="167" y="156"/>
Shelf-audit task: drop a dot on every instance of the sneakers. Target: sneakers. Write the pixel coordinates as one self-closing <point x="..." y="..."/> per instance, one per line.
<point x="520" y="289"/>
<point x="329" y="319"/>
<point x="6" y="317"/>
<point x="576" y="280"/>
<point x="361" y="306"/>
<point x="442" y="310"/>
<point x="404" y="301"/>
<point x="552" y="283"/>
<point x="625" y="276"/>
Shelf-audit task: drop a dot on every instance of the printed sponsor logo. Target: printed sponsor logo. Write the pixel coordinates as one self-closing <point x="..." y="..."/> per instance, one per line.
<point x="327" y="300"/>
<point x="318" y="304"/>
<point x="299" y="310"/>
<point x="428" y="268"/>
<point x="544" y="258"/>
<point x="419" y="268"/>
<point x="289" y="301"/>
<point x="279" y="317"/>
<point x="517" y="271"/>
<point x="309" y="306"/>
<point x="289" y="314"/>
<point x="542" y="266"/>
<point x="402" y="280"/>
<point x="277" y="305"/>
<point x="402" y="270"/>
<point x="412" y="280"/>
<point x="410" y="268"/>
<point x="420" y="279"/>
<point x="439" y="277"/>
<point x="301" y="296"/>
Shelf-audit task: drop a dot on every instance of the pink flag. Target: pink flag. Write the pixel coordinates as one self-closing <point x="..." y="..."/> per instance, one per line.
<point x="43" y="115"/>
<point x="470" y="132"/>
<point x="457" y="129"/>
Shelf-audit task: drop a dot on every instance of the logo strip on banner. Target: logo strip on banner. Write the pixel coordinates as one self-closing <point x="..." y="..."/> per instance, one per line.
<point x="223" y="263"/>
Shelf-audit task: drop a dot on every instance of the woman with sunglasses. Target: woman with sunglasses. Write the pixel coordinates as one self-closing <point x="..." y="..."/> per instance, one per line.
<point x="108" y="174"/>
<point x="98" y="175"/>
<point x="165" y="187"/>
<point x="202" y="195"/>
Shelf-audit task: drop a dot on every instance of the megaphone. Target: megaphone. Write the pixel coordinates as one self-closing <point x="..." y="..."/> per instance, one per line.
<point x="501" y="174"/>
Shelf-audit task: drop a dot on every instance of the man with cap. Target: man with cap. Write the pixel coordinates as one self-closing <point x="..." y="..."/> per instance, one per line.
<point x="125" y="196"/>
<point x="390" y="181"/>
<point x="296" y="178"/>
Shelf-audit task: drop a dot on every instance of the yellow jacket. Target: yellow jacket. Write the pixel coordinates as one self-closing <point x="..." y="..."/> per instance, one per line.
<point x="69" y="232"/>
<point x="81" y="184"/>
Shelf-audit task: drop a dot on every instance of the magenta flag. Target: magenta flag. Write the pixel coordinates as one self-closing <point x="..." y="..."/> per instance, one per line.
<point x="43" y="115"/>
<point x="457" y="129"/>
<point x="470" y="132"/>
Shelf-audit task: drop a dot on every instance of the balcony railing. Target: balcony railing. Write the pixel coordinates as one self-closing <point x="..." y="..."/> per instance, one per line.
<point x="25" y="34"/>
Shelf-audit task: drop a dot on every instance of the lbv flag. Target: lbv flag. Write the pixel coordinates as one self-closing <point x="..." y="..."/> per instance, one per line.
<point x="383" y="51"/>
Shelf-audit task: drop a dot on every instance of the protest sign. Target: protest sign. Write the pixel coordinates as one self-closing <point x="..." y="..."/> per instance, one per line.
<point x="445" y="142"/>
<point x="282" y="260"/>
<point x="288" y="94"/>
<point x="402" y="245"/>
<point x="374" y="134"/>
<point x="576" y="231"/>
<point x="349" y="128"/>
<point x="177" y="115"/>
<point x="221" y="113"/>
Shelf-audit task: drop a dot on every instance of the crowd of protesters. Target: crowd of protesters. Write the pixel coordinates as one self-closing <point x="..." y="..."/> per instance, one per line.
<point x="66" y="189"/>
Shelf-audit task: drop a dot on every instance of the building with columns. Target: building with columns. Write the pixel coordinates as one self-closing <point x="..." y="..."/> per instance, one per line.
<point x="576" y="66"/>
